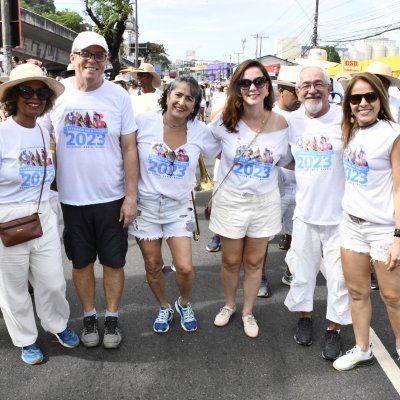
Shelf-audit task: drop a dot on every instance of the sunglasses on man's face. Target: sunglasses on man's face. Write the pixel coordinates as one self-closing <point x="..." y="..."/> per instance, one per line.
<point x="259" y="83"/>
<point x="27" y="92"/>
<point x="369" y="97"/>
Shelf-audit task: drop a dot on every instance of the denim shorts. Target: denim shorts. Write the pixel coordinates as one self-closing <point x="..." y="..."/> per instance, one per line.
<point x="163" y="218"/>
<point x="236" y="215"/>
<point x="366" y="237"/>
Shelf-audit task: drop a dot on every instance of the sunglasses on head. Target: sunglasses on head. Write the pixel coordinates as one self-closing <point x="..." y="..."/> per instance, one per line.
<point x="27" y="92"/>
<point x="369" y="97"/>
<point x="258" y="83"/>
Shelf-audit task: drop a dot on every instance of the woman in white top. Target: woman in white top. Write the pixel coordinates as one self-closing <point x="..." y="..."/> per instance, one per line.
<point x="246" y="205"/>
<point x="24" y="158"/>
<point x="169" y="144"/>
<point x="370" y="233"/>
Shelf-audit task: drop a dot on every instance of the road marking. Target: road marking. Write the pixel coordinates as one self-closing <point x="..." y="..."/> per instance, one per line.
<point x="387" y="363"/>
<point x="389" y="367"/>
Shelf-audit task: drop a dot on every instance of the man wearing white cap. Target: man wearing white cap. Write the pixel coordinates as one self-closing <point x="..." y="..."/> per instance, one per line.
<point x="97" y="177"/>
<point x="385" y="74"/>
<point x="315" y="140"/>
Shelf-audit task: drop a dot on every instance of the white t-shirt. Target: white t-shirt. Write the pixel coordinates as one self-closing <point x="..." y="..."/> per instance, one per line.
<point x="168" y="173"/>
<point x="287" y="177"/>
<point x="22" y="161"/>
<point x="255" y="171"/>
<point x="316" y="147"/>
<point x="88" y="128"/>
<point x="368" y="169"/>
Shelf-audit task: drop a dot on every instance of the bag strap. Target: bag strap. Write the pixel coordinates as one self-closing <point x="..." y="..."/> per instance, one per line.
<point x="45" y="163"/>
<point x="234" y="163"/>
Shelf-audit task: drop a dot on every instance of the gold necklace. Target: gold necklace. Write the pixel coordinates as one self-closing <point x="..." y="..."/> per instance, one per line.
<point x="263" y="122"/>
<point x="172" y="125"/>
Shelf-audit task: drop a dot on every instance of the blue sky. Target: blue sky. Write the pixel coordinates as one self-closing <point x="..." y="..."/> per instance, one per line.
<point x="215" y="28"/>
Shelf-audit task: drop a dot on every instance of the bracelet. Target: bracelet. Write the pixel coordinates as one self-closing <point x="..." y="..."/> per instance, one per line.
<point x="396" y="233"/>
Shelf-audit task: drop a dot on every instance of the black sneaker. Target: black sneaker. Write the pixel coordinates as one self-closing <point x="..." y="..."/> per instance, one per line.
<point x="284" y="242"/>
<point x="332" y="349"/>
<point x="112" y="334"/>
<point x="303" y="335"/>
<point x="374" y="282"/>
<point x="90" y="333"/>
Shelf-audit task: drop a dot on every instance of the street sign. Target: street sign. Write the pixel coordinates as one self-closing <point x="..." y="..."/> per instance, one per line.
<point x="351" y="66"/>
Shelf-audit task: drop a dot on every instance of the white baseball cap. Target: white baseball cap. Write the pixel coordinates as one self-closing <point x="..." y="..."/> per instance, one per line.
<point x="87" y="39"/>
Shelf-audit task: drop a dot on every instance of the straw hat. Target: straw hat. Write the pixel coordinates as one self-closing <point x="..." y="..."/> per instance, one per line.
<point x="149" y="69"/>
<point x="29" y="72"/>
<point x="288" y="75"/>
<point x="4" y="79"/>
<point x="316" y="58"/>
<point x="384" y="70"/>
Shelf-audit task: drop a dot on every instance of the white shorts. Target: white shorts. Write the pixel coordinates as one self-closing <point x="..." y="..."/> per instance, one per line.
<point x="163" y="218"/>
<point x="236" y="215"/>
<point x="366" y="237"/>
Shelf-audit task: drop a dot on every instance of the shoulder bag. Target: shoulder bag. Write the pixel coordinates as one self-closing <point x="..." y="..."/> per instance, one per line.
<point x="23" y="229"/>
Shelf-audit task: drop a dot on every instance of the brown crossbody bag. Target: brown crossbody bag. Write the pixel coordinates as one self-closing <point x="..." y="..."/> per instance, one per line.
<point x="23" y="229"/>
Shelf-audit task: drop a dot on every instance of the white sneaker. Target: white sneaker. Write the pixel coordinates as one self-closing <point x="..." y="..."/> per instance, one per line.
<point x="354" y="358"/>
<point x="224" y="315"/>
<point x="250" y="326"/>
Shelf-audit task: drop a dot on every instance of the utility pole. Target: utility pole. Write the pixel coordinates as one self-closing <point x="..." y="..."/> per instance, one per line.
<point x="314" y="40"/>
<point x="238" y="54"/>
<point x="6" y="35"/>
<point x="259" y="36"/>
<point x="243" y="46"/>
<point x="230" y="63"/>
<point x="136" y="37"/>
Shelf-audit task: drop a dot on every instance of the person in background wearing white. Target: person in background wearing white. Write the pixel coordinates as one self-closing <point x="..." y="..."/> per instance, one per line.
<point x="370" y="230"/>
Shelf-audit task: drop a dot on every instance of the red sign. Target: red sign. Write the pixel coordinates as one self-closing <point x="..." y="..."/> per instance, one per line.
<point x="351" y="66"/>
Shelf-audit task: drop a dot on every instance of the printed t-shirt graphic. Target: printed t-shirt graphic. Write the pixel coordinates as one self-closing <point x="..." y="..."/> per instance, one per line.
<point x="314" y="153"/>
<point x="355" y="165"/>
<point x="254" y="162"/>
<point x="84" y="131"/>
<point x="166" y="162"/>
<point x="31" y="163"/>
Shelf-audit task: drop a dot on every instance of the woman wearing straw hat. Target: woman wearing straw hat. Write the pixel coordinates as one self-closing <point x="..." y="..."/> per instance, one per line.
<point x="370" y="230"/>
<point x="24" y="160"/>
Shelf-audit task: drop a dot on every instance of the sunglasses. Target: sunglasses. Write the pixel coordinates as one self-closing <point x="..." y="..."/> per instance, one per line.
<point x="258" y="83"/>
<point x="27" y="92"/>
<point x="369" y="97"/>
<point x="142" y="74"/>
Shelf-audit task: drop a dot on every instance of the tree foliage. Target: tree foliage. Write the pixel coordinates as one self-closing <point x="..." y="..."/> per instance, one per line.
<point x="110" y="17"/>
<point x="332" y="54"/>
<point x="155" y="53"/>
<point x="39" y="6"/>
<point x="69" y="19"/>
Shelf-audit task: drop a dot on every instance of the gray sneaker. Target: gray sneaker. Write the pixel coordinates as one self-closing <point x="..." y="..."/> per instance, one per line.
<point x="112" y="334"/>
<point x="90" y="333"/>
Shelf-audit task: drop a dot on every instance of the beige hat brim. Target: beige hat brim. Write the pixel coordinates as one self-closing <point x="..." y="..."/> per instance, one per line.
<point x="306" y="62"/>
<point x="57" y="87"/>
<point x="285" y="83"/>
<point x="393" y="80"/>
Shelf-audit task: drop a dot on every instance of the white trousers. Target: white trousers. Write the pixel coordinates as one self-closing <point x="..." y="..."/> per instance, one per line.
<point x="304" y="258"/>
<point x="288" y="204"/>
<point x="39" y="262"/>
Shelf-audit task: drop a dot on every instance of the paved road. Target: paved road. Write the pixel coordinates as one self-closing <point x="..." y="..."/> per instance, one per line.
<point x="212" y="363"/>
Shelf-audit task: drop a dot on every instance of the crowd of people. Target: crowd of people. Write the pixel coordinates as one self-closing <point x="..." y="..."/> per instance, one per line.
<point x="325" y="176"/>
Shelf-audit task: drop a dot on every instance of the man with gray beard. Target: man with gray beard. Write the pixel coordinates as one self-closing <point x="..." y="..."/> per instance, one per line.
<point x="315" y="140"/>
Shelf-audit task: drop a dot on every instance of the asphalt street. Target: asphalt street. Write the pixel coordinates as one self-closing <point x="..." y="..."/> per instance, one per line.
<point x="212" y="363"/>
